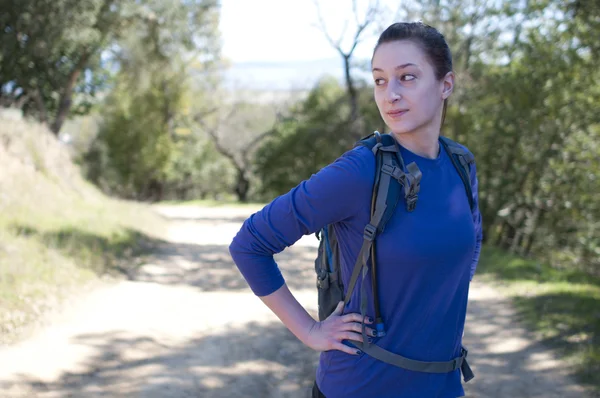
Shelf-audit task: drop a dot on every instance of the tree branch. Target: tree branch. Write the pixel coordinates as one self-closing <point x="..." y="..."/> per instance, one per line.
<point x="214" y="135"/>
<point x="245" y="152"/>
<point x="323" y="27"/>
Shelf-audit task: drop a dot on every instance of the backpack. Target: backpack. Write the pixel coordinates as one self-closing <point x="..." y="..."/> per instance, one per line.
<point x="392" y="179"/>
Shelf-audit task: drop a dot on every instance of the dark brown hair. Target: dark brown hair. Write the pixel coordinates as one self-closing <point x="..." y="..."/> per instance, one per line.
<point x="429" y="39"/>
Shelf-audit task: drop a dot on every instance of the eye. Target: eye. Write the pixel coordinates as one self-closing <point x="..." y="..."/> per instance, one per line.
<point x="407" y="77"/>
<point x="379" y="81"/>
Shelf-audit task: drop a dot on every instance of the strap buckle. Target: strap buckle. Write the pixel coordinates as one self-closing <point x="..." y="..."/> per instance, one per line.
<point x="388" y="169"/>
<point x="459" y="360"/>
<point x="394" y="172"/>
<point x="380" y="328"/>
<point x="369" y="232"/>
<point x="456" y="363"/>
<point x="411" y="202"/>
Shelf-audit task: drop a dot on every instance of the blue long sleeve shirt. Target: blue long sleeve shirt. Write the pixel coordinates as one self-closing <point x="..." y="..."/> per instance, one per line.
<point x="425" y="259"/>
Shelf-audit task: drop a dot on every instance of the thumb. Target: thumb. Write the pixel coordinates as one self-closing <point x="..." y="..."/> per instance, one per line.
<point x="340" y="307"/>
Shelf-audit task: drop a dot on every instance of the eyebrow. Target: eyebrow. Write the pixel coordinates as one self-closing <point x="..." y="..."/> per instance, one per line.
<point x="396" y="68"/>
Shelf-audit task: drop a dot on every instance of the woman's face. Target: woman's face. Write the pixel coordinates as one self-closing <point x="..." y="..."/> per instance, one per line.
<point x="407" y="93"/>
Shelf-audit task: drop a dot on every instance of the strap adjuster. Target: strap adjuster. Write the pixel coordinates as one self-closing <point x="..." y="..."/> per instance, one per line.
<point x="456" y="363"/>
<point x="411" y="202"/>
<point x="369" y="232"/>
<point x="388" y="169"/>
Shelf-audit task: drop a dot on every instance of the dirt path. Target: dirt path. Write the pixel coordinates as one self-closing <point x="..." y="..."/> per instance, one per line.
<point x="189" y="327"/>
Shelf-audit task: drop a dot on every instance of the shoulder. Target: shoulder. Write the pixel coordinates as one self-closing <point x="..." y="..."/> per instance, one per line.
<point x="360" y="154"/>
<point x="352" y="168"/>
<point x="358" y="161"/>
<point x="458" y="148"/>
<point x="353" y="171"/>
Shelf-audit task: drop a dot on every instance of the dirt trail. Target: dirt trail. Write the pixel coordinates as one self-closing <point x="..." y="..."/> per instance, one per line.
<point x="188" y="326"/>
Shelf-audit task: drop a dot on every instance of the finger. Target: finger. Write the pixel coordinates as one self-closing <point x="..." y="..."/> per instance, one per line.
<point x="340" y="307"/>
<point x="350" y="336"/>
<point x="357" y="327"/>
<point x="356" y="317"/>
<point x="348" y="350"/>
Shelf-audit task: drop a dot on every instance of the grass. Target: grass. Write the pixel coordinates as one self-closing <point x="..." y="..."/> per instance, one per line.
<point x="50" y="248"/>
<point x="562" y="306"/>
<point x="58" y="233"/>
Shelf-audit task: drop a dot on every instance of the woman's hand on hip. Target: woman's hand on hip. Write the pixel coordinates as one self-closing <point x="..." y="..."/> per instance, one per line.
<point x="329" y="333"/>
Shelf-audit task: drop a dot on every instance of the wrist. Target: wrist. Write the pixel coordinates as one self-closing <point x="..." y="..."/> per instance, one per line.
<point x="307" y="332"/>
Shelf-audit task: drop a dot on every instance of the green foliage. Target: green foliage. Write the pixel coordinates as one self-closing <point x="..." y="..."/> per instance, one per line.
<point x="136" y="139"/>
<point x="312" y="136"/>
<point x="50" y="67"/>
<point x="524" y="103"/>
<point x="197" y="170"/>
<point x="142" y="137"/>
<point x="116" y="253"/>
<point x="532" y="125"/>
<point x="43" y="58"/>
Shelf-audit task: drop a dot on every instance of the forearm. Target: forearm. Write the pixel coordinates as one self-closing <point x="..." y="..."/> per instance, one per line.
<point x="283" y="304"/>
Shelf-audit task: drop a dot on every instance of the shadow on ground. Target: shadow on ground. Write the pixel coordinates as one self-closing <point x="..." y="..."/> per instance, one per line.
<point x="236" y="363"/>
<point x="210" y="268"/>
<point x="266" y="360"/>
<point x="508" y="360"/>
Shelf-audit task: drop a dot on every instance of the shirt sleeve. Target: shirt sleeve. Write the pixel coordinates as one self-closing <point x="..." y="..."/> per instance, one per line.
<point x="476" y="219"/>
<point x="331" y="195"/>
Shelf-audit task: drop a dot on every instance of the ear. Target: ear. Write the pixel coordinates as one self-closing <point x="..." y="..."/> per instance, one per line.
<point x="447" y="85"/>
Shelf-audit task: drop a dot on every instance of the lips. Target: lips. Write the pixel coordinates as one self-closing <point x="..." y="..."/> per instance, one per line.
<point x="397" y="113"/>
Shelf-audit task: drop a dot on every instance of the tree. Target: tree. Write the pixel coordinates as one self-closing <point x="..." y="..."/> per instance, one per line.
<point x="50" y="68"/>
<point x="527" y="113"/>
<point x="236" y="130"/>
<point x="136" y="150"/>
<point x="45" y="61"/>
<point x="362" y="24"/>
<point x="312" y="134"/>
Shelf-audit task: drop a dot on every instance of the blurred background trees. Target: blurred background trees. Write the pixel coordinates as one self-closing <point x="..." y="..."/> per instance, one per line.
<point x="166" y="127"/>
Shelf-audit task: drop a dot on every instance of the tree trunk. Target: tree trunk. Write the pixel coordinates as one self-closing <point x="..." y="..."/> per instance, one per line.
<point x="352" y="94"/>
<point x="242" y="186"/>
<point x="37" y="96"/>
<point x="64" y="106"/>
<point x="537" y="220"/>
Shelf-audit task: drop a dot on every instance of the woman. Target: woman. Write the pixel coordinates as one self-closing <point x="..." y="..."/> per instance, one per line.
<point x="426" y="258"/>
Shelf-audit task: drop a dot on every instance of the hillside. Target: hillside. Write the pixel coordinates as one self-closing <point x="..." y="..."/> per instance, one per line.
<point x="58" y="233"/>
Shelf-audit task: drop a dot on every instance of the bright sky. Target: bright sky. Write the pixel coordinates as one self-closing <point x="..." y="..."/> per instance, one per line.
<point x="284" y="30"/>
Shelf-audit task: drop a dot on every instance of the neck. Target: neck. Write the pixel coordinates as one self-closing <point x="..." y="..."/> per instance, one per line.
<point x="423" y="140"/>
<point x="422" y="144"/>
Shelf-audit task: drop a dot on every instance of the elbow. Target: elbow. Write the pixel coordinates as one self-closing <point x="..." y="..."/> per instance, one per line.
<point x="236" y="250"/>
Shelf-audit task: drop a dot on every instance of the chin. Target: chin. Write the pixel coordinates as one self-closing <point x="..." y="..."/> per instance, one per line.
<point x="400" y="128"/>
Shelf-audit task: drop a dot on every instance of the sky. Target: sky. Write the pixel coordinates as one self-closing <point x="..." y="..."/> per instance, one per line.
<point x="276" y="44"/>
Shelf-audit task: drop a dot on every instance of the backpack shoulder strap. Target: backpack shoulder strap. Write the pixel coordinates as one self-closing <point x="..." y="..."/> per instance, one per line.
<point x="462" y="160"/>
<point x="387" y="190"/>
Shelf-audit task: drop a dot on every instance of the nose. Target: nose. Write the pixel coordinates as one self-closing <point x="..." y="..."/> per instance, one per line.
<point x="393" y="92"/>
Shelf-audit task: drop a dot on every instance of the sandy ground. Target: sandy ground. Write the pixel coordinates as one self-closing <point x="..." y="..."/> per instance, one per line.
<point x="188" y="326"/>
